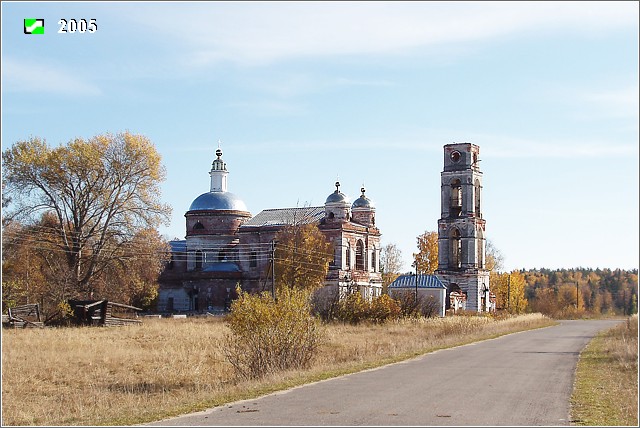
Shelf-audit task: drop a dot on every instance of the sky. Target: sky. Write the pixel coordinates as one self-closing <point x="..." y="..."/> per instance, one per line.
<point x="300" y="94"/>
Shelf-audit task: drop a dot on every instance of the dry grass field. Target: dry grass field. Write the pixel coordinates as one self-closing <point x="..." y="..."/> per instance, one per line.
<point x="606" y="388"/>
<point x="165" y="367"/>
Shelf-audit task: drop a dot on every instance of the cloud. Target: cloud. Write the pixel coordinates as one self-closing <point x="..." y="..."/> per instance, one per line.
<point x="260" y="33"/>
<point x="31" y="76"/>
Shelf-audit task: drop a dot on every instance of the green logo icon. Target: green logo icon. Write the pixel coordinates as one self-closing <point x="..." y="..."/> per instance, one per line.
<point x="33" y="26"/>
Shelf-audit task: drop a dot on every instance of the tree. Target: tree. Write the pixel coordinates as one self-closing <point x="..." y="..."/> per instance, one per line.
<point x="99" y="193"/>
<point x="391" y="264"/>
<point x="302" y="257"/>
<point x="509" y="289"/>
<point x="494" y="258"/>
<point x="427" y="256"/>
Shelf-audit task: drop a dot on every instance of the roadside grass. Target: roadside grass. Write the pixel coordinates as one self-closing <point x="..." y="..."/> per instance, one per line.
<point x="163" y="368"/>
<point x="606" y="387"/>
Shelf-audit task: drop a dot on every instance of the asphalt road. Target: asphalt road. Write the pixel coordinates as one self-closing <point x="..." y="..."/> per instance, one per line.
<point x="520" y="379"/>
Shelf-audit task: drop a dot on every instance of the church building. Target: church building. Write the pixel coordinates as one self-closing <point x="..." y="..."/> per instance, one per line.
<point x="225" y="246"/>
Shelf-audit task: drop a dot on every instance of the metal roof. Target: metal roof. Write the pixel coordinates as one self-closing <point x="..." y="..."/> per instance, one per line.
<point x="424" y="281"/>
<point x="218" y="201"/>
<point x="337" y="197"/>
<point x="178" y="246"/>
<point x="286" y="216"/>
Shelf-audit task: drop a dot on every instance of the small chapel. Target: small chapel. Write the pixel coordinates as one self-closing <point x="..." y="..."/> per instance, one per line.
<point x="226" y="246"/>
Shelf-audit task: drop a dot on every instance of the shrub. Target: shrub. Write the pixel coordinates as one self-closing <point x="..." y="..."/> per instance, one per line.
<point x="269" y="336"/>
<point x="355" y="309"/>
<point x="384" y="308"/>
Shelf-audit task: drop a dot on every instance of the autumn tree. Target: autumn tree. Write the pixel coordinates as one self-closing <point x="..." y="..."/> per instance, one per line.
<point x="426" y="258"/>
<point x="391" y="264"/>
<point x="302" y="257"/>
<point x="509" y="289"/>
<point x="97" y="194"/>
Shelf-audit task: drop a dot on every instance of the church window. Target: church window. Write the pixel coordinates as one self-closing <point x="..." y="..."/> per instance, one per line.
<point x="455" y="249"/>
<point x="253" y="262"/>
<point x="455" y="207"/>
<point x="198" y="259"/>
<point x="198" y="226"/>
<point x="477" y="189"/>
<point x="331" y="215"/>
<point x="348" y="257"/>
<point x="373" y="259"/>
<point x="360" y="255"/>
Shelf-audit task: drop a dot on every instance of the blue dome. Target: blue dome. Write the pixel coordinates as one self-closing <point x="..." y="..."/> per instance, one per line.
<point x="337" y="197"/>
<point x="217" y="201"/>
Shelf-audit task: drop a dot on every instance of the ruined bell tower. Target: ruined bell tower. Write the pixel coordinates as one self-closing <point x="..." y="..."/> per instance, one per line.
<point x="461" y="227"/>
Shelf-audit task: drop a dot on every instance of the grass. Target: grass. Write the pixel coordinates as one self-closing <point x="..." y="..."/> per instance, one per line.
<point x="606" y="387"/>
<point x="163" y="368"/>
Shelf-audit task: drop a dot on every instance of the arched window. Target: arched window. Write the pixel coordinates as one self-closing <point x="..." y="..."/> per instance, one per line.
<point x="477" y="189"/>
<point x="348" y="257"/>
<point x="198" y="259"/>
<point x="455" y="249"/>
<point x="360" y="255"/>
<point x="455" y="207"/>
<point x="198" y="226"/>
<point x="373" y="259"/>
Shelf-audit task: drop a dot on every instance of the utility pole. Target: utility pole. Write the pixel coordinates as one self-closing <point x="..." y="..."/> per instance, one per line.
<point x="273" y="270"/>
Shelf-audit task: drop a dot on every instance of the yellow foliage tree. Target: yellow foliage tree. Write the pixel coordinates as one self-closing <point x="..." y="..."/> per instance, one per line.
<point x="509" y="291"/>
<point x="99" y="193"/>
<point x="426" y="258"/>
<point x="302" y="257"/>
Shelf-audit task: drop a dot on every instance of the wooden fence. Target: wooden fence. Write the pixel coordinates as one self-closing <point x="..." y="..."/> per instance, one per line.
<point x="24" y="316"/>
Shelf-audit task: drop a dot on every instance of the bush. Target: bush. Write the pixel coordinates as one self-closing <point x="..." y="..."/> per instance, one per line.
<point x="355" y="309"/>
<point x="384" y="308"/>
<point x="268" y="336"/>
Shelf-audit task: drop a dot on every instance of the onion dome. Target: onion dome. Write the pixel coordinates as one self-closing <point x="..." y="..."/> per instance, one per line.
<point x="362" y="201"/>
<point x="337" y="196"/>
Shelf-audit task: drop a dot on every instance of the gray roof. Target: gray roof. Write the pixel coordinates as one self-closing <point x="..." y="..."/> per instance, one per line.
<point x="286" y="216"/>
<point x="424" y="281"/>
<point x="362" y="202"/>
<point x="218" y="201"/>
<point x="337" y="196"/>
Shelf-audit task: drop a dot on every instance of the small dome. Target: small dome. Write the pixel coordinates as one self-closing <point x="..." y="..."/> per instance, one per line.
<point x="362" y="201"/>
<point x="218" y="201"/>
<point x="337" y="196"/>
